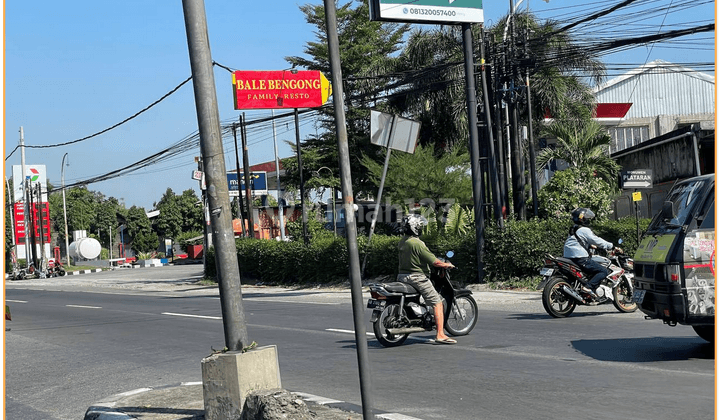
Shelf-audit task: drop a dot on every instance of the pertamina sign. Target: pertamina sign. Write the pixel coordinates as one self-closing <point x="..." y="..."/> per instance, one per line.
<point x="280" y="89"/>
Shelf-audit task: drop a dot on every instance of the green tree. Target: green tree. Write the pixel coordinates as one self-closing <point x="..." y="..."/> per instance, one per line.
<point x="191" y="211"/>
<point x="576" y="187"/>
<point x="363" y="44"/>
<point x="139" y="227"/>
<point x="423" y="177"/>
<point x="80" y="204"/>
<point x="583" y="144"/>
<point x="169" y="222"/>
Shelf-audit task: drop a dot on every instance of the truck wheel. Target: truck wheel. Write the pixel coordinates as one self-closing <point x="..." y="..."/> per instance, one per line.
<point x="706" y="332"/>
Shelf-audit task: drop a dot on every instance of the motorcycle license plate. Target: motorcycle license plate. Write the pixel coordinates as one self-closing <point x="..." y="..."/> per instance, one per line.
<point x="638" y="296"/>
<point x="374" y="303"/>
<point x="545" y="271"/>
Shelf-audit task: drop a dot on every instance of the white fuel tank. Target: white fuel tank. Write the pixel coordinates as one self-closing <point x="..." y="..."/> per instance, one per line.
<point x="85" y="248"/>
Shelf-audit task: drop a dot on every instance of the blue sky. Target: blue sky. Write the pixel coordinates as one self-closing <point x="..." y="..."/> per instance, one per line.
<point x="78" y="67"/>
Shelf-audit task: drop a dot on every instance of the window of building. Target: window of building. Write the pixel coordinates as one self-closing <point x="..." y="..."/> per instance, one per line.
<point x="625" y="137"/>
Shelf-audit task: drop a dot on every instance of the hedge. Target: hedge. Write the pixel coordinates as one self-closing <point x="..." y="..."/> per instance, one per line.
<point x="513" y="253"/>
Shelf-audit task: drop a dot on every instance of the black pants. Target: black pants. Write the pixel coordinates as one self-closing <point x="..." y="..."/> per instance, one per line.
<point x="593" y="269"/>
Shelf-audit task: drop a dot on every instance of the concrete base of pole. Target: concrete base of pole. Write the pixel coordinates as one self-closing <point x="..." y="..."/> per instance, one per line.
<point x="229" y="377"/>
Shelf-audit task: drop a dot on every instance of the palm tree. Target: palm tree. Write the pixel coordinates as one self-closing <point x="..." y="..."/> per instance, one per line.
<point x="581" y="143"/>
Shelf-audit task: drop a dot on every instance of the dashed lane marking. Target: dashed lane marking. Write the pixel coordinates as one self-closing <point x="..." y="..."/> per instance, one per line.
<point x="347" y="331"/>
<point x="84" y="306"/>
<point x="192" y="316"/>
<point x="16" y="301"/>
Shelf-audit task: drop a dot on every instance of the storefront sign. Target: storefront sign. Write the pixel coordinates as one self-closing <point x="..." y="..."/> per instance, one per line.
<point x="280" y="89"/>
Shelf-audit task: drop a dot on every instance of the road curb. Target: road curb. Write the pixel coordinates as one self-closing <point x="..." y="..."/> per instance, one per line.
<point x="75" y="273"/>
<point x="111" y="408"/>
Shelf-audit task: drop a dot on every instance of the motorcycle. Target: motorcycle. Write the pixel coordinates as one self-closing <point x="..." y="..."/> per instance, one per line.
<point x="563" y="281"/>
<point x="399" y="312"/>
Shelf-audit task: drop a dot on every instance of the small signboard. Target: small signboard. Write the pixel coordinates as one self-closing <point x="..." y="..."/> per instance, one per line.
<point x="427" y="11"/>
<point x="405" y="133"/>
<point x="258" y="183"/>
<point x="280" y="89"/>
<point x="637" y="178"/>
<point x="637" y="196"/>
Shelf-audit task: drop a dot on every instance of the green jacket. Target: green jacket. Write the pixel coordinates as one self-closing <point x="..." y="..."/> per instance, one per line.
<point x="414" y="256"/>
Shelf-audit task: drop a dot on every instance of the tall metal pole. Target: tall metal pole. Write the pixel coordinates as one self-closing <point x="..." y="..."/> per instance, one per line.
<point x="62" y="177"/>
<point x="497" y="200"/>
<point x="474" y="146"/>
<point x="26" y="207"/>
<point x="302" y="181"/>
<point x="348" y="204"/>
<point x="248" y="181"/>
<point x="238" y="199"/>
<point x="281" y="210"/>
<point x="208" y="116"/>
<point x="380" y="190"/>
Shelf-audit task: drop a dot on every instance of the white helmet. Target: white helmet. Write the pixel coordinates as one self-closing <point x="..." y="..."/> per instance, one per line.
<point x="413" y="224"/>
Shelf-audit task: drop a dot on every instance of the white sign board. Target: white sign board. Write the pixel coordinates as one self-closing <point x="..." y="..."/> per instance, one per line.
<point x="35" y="174"/>
<point x="405" y="133"/>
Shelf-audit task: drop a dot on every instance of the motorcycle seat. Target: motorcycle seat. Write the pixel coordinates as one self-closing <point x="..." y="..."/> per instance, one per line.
<point x="400" y="287"/>
<point x="567" y="261"/>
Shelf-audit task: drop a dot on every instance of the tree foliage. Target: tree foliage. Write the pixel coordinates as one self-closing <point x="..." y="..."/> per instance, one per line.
<point x="139" y="227"/>
<point x="573" y="188"/>
<point x="581" y="143"/>
<point x="178" y="213"/>
<point x="363" y="44"/>
<point x="422" y="177"/>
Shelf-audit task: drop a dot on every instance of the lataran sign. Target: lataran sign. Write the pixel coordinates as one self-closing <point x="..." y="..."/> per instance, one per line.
<point x="427" y="11"/>
<point x="637" y="178"/>
<point x="280" y="89"/>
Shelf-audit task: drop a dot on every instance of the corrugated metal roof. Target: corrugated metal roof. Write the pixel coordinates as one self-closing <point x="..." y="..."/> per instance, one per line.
<point x="661" y="88"/>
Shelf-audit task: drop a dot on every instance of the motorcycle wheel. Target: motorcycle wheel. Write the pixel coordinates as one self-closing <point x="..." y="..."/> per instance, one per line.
<point x="61" y="272"/>
<point x="622" y="297"/>
<point x="462" y="317"/>
<point x="557" y="304"/>
<point x="389" y="318"/>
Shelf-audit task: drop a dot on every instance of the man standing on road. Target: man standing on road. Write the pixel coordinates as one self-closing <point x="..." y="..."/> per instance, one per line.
<point x="414" y="268"/>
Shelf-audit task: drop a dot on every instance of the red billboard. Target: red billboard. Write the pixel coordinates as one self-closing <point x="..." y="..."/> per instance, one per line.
<point x="40" y="213"/>
<point x="280" y="89"/>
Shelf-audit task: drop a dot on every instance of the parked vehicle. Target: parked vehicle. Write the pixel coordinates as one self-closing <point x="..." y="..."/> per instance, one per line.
<point x="563" y="281"/>
<point x="55" y="268"/>
<point x="398" y="310"/>
<point x="675" y="261"/>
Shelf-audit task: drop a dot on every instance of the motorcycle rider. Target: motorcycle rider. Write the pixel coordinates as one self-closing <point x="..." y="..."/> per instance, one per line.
<point x="414" y="268"/>
<point x="577" y="247"/>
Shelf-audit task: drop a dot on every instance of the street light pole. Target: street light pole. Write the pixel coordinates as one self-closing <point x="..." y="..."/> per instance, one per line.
<point x="333" y="197"/>
<point x="62" y="177"/>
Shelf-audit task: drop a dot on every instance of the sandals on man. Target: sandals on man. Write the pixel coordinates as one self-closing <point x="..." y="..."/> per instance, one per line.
<point x="445" y="341"/>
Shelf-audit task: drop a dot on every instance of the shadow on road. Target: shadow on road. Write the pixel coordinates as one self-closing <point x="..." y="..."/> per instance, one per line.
<point x="647" y="349"/>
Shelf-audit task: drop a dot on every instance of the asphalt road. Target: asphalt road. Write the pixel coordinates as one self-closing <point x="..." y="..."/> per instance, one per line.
<point x="76" y="341"/>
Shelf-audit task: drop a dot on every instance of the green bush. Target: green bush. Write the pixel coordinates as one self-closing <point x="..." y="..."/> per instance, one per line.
<point x="513" y="254"/>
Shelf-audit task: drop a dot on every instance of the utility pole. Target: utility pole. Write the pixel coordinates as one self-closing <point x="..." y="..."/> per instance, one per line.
<point x="26" y="207"/>
<point x="358" y="304"/>
<point x="67" y="246"/>
<point x="238" y="199"/>
<point x="302" y="181"/>
<point x="497" y="201"/>
<point x="478" y="198"/>
<point x="248" y="182"/>
<point x="208" y="116"/>
<point x="281" y="210"/>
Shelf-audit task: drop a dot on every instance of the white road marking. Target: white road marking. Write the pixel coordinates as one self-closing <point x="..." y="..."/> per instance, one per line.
<point x="16" y="301"/>
<point x="83" y="306"/>
<point x="347" y="331"/>
<point x="269" y="299"/>
<point x="192" y="316"/>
